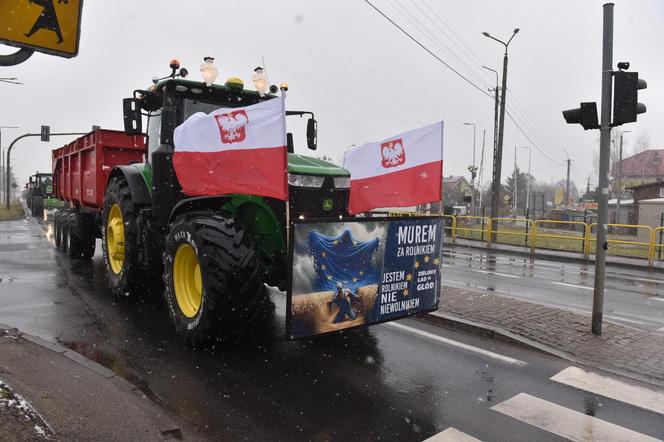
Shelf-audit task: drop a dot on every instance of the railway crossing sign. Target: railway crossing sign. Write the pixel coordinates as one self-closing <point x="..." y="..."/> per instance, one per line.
<point x="50" y="26"/>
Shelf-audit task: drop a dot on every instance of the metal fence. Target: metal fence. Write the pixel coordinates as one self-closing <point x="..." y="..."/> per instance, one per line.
<point x="643" y="242"/>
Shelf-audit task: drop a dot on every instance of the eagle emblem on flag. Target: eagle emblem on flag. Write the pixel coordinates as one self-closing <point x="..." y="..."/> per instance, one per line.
<point x="232" y="126"/>
<point x="393" y="153"/>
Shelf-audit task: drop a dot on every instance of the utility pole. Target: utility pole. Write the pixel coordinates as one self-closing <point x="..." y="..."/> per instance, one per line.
<point x="604" y="157"/>
<point x="530" y="155"/>
<point x="567" y="183"/>
<point x="498" y="152"/>
<point x="479" y="183"/>
<point x="516" y="185"/>
<point x="620" y="172"/>
<point x="473" y="173"/>
<point x="495" y="110"/>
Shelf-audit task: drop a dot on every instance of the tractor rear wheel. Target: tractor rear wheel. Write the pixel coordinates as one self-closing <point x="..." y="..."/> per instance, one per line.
<point x="81" y="233"/>
<point x="119" y="239"/>
<point x="213" y="276"/>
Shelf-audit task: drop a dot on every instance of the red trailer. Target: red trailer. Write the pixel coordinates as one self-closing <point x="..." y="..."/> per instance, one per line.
<point x="81" y="168"/>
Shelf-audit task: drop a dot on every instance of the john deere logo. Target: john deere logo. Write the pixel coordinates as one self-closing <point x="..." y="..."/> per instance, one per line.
<point x="327" y="205"/>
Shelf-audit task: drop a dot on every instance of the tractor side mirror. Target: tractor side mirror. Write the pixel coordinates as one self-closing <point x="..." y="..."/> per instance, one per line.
<point x="289" y="143"/>
<point x="133" y="122"/>
<point x="312" y="134"/>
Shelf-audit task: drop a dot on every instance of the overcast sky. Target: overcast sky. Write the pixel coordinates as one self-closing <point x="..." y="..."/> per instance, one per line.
<point x="361" y="76"/>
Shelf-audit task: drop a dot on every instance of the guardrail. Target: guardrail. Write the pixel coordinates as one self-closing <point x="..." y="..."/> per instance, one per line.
<point x="569" y="236"/>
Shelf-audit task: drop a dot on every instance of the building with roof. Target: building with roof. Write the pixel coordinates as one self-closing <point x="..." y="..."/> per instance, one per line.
<point x="642" y="168"/>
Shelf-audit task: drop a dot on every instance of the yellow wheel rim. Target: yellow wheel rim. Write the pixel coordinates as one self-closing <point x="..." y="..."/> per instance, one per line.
<point x="115" y="239"/>
<point x="187" y="280"/>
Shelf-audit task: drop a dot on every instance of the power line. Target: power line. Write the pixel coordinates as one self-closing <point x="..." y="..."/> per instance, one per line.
<point x="427" y="49"/>
<point x="466" y="79"/>
<point x="478" y="61"/>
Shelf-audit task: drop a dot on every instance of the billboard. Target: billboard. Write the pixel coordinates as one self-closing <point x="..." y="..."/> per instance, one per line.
<point x="361" y="272"/>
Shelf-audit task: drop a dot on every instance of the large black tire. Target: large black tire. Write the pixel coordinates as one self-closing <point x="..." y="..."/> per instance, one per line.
<point x="123" y="277"/>
<point x="231" y="276"/>
<point x="57" y="228"/>
<point x="38" y="207"/>
<point x="81" y="234"/>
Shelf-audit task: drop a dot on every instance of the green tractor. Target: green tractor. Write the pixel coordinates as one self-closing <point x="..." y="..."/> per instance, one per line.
<point x="39" y="194"/>
<point x="214" y="254"/>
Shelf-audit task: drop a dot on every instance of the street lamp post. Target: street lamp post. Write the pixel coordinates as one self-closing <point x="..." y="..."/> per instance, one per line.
<point x="530" y="154"/>
<point x="9" y="151"/>
<point x="498" y="153"/>
<point x="473" y="173"/>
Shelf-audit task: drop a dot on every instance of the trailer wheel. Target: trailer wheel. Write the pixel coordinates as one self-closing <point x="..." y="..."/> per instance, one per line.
<point x="56" y="229"/>
<point x="119" y="233"/>
<point x="213" y="276"/>
<point x="81" y="234"/>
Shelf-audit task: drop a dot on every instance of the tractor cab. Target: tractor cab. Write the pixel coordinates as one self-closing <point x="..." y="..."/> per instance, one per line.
<point x="317" y="188"/>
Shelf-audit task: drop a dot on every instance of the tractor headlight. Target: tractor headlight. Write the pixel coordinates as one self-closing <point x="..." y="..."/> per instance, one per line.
<point x="342" y="182"/>
<point x="305" y="180"/>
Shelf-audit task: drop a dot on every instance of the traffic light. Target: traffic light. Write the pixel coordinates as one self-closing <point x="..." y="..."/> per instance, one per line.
<point x="585" y="115"/>
<point x="625" y="97"/>
<point x="46" y="133"/>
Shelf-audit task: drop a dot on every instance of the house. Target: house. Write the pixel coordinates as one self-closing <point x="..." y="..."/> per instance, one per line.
<point x="651" y="213"/>
<point x="626" y="215"/>
<point x="456" y="191"/>
<point x="642" y="168"/>
<point x="643" y="192"/>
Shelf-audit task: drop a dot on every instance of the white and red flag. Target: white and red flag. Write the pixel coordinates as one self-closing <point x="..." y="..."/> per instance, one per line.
<point x="234" y="150"/>
<point x="403" y="170"/>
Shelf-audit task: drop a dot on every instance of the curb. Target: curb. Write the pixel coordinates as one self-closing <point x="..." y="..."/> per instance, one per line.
<point x="166" y="426"/>
<point x="551" y="257"/>
<point x="492" y="332"/>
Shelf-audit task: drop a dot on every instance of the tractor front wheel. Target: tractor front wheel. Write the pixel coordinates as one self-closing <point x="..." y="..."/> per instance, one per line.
<point x="38" y="207"/>
<point x="213" y="276"/>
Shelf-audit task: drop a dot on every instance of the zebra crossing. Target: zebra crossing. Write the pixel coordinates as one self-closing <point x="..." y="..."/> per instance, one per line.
<point x="571" y="424"/>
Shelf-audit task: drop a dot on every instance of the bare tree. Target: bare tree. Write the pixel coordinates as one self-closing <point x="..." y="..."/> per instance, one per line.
<point x="642" y="142"/>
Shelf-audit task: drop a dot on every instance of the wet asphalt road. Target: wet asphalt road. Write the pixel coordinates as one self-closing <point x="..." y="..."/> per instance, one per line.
<point x="632" y="297"/>
<point x="384" y="383"/>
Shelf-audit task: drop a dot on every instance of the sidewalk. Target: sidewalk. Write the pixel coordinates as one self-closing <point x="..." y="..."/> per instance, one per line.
<point x="555" y="255"/>
<point x="80" y="400"/>
<point x="623" y="350"/>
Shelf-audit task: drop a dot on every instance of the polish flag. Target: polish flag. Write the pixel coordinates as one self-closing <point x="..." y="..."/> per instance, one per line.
<point x="234" y="150"/>
<point x="403" y="170"/>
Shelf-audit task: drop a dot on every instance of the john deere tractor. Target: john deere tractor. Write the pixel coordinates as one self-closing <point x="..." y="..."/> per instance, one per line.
<point x="39" y="194"/>
<point x="213" y="253"/>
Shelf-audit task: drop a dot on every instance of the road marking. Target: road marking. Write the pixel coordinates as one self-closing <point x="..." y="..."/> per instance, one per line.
<point x="496" y="356"/>
<point x="585" y="287"/>
<point x="621" y="318"/>
<point x="661" y="330"/>
<point x="657" y="299"/>
<point x="451" y="435"/>
<point x="496" y="273"/>
<point x="564" y="422"/>
<point x="612" y="388"/>
<point x="635" y="278"/>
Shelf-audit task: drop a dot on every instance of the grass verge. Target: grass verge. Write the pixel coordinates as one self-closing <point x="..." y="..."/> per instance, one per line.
<point x="15" y="212"/>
